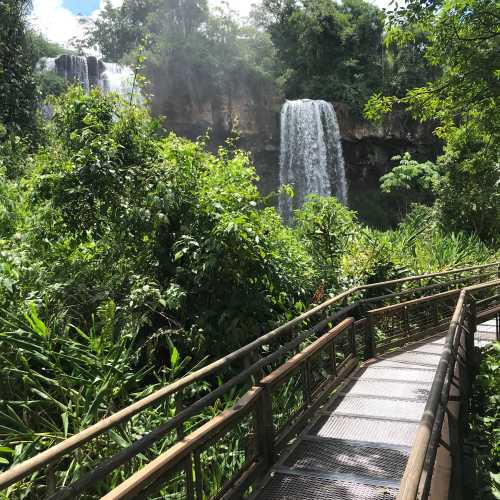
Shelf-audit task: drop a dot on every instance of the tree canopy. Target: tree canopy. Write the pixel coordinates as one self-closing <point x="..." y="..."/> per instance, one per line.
<point x="463" y="42"/>
<point x="18" y="90"/>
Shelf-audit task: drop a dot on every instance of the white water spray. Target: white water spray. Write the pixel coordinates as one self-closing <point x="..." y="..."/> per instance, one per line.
<point x="92" y="72"/>
<point x="311" y="153"/>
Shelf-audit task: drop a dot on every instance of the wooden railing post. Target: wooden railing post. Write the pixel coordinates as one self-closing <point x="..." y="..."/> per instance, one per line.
<point x="370" y="345"/>
<point x="497" y="318"/>
<point x="333" y="358"/>
<point x="51" y="479"/>
<point x="435" y="312"/>
<point x="265" y="428"/>
<point x="307" y="382"/>
<point x="352" y="333"/>
<point x="406" y="320"/>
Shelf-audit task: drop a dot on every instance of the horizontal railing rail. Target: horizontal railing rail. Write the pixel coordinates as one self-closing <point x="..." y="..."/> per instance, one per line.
<point x="397" y="324"/>
<point x="318" y="373"/>
<point x="449" y="387"/>
<point x="250" y="361"/>
<point x="184" y="459"/>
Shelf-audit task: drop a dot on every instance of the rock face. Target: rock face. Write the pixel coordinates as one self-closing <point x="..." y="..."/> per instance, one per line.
<point x="248" y="108"/>
<point x="254" y="111"/>
<point x="368" y="148"/>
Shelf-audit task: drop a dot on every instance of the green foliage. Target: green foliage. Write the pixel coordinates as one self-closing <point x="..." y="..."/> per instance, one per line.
<point x="411" y="175"/>
<point x="184" y="42"/>
<point x="128" y="257"/>
<point x="418" y="246"/>
<point x="484" y="425"/>
<point x="41" y="47"/>
<point x="462" y="41"/>
<point x="378" y="107"/>
<point x="125" y="259"/>
<point x="469" y="196"/>
<point x="328" y="227"/>
<point x="17" y="84"/>
<point x="328" y="50"/>
<point x="406" y="65"/>
<point x="48" y="390"/>
<point x="51" y="84"/>
<point x="177" y="237"/>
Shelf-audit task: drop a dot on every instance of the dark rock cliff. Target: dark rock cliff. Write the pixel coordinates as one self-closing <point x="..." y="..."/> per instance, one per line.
<point x="254" y="111"/>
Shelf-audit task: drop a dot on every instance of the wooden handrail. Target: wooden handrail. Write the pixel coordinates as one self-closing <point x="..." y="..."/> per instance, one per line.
<point x="409" y="487"/>
<point x="402" y="305"/>
<point x="47" y="457"/>
<point x="173" y="456"/>
<point x="278" y="374"/>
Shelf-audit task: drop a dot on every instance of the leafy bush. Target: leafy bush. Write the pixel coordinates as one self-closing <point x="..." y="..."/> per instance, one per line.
<point x="176" y="237"/>
<point x="328" y="227"/>
<point x="484" y="425"/>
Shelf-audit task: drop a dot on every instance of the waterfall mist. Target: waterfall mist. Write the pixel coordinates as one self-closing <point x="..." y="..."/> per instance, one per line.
<point x="92" y="72"/>
<point x="311" y="157"/>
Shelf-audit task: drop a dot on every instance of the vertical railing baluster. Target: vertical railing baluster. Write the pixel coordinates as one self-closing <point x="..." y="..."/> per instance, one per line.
<point x="406" y="320"/>
<point x="497" y="317"/>
<point x="435" y="312"/>
<point x="189" y="479"/>
<point x="51" y="479"/>
<point x="198" y="475"/>
<point x="333" y="355"/>
<point x="370" y="345"/>
<point x="307" y="382"/>
<point x="352" y="333"/>
<point x="265" y="422"/>
<point x="179" y="406"/>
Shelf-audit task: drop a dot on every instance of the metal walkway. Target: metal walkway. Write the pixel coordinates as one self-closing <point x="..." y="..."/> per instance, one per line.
<point x="358" y="445"/>
<point x="305" y="419"/>
<point x="486" y="333"/>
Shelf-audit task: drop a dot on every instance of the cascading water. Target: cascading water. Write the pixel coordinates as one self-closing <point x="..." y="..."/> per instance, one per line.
<point x="117" y="78"/>
<point x="73" y="69"/>
<point x="311" y="153"/>
<point x="92" y="72"/>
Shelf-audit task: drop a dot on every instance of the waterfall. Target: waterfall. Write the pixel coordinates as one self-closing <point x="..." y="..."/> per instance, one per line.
<point x="73" y="69"/>
<point x="92" y="72"/>
<point x="311" y="157"/>
<point x="117" y="78"/>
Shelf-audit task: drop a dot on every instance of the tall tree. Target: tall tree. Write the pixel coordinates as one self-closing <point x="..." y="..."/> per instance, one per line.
<point x="17" y="83"/>
<point x="326" y="49"/>
<point x="463" y="41"/>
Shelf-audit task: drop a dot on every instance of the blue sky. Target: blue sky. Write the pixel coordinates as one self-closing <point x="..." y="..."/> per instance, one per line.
<point x="84" y="7"/>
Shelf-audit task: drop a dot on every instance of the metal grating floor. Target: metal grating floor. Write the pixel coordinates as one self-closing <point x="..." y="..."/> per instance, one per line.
<point x="348" y="457"/>
<point x="418" y="358"/>
<point x="358" y="444"/>
<point x="397" y="373"/>
<point x="365" y="429"/>
<point x="291" y="487"/>
<point x="485" y="334"/>
<point x="380" y="407"/>
<point x="429" y="349"/>
<point x="397" y="389"/>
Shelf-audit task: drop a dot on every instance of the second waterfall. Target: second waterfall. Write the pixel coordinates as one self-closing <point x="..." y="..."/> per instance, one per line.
<point x="311" y="153"/>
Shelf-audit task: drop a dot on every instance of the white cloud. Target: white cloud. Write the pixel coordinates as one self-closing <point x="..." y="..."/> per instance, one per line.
<point x="58" y="23"/>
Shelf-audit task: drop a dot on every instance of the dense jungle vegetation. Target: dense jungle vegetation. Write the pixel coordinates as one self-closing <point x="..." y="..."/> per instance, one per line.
<point x="128" y="256"/>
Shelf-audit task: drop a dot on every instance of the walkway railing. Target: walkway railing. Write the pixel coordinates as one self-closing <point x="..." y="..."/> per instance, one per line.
<point x="303" y="359"/>
<point x="446" y="402"/>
